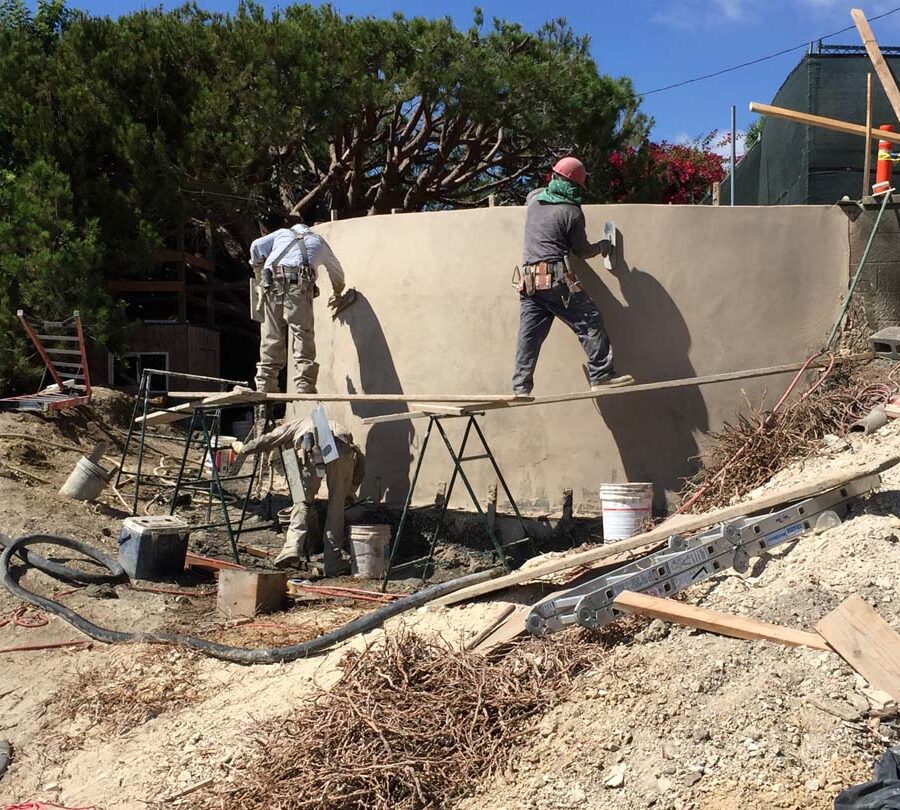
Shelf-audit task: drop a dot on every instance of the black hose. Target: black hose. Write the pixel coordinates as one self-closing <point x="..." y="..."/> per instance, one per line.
<point x="239" y="655"/>
<point x="5" y="756"/>
<point x="60" y="571"/>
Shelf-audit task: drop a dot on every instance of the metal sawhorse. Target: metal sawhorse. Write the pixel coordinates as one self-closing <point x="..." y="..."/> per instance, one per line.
<point x="459" y="458"/>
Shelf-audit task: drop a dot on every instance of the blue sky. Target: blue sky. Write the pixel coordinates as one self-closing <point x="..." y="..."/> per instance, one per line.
<point x="656" y="43"/>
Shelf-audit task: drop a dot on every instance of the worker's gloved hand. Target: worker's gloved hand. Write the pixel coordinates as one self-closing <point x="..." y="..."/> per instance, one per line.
<point x="238" y="448"/>
<point x="338" y="303"/>
<point x="605" y="247"/>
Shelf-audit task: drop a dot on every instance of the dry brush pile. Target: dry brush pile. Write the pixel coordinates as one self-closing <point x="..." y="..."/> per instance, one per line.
<point x="746" y="454"/>
<point x="412" y="723"/>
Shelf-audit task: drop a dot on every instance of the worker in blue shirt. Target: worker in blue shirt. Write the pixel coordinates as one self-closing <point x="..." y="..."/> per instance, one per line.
<point x="285" y="266"/>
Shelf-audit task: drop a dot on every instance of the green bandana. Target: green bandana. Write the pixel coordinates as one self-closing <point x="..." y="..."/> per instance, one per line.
<point x="561" y="191"/>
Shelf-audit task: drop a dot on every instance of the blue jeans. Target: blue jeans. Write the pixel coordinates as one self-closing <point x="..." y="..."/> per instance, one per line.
<point x="536" y="316"/>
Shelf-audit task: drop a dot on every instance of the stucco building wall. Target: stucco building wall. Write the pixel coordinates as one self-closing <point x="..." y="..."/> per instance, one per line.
<point x="697" y="290"/>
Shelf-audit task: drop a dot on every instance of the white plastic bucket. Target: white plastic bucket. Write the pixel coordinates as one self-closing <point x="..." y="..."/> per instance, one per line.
<point x="222" y="453"/>
<point x="368" y="550"/>
<point x="626" y="509"/>
<point x="86" y="481"/>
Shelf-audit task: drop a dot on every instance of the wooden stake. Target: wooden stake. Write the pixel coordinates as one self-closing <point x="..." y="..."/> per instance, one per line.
<point x="881" y="67"/>
<point x="867" y="164"/>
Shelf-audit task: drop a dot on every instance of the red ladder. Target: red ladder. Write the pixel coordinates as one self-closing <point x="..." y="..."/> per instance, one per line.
<point x="61" y="346"/>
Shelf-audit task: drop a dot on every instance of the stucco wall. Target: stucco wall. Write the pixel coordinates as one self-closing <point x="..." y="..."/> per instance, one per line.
<point x="698" y="290"/>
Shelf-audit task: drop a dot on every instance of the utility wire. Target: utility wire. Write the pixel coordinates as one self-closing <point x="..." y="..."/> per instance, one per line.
<point x="762" y="58"/>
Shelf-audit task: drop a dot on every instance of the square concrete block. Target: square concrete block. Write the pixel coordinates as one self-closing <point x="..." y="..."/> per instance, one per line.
<point x="247" y="593"/>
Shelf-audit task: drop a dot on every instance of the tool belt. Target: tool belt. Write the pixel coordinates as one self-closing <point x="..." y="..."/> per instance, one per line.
<point x="545" y="276"/>
<point x="303" y="276"/>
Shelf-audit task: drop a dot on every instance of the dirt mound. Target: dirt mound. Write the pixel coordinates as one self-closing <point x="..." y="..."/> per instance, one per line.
<point x="681" y="719"/>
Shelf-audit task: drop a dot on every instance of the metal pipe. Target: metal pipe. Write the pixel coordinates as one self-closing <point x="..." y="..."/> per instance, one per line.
<point x="733" y="149"/>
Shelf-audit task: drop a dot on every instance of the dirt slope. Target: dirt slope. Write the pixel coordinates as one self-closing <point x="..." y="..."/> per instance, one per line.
<point x="682" y="719"/>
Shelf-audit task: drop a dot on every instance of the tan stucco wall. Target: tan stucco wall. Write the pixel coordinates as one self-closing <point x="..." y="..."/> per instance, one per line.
<point x="698" y="290"/>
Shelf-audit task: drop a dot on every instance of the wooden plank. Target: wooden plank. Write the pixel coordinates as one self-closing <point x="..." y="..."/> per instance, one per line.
<point x="511" y="627"/>
<point x="234" y="398"/>
<point x="490" y="627"/>
<point x="400" y="416"/>
<point x="442" y="408"/>
<point x="467" y="399"/>
<point x="707" y="379"/>
<point x="867" y="162"/>
<point x="822" y="122"/>
<point x="688" y="523"/>
<point x="725" y="624"/>
<point x="866" y="642"/>
<point x="487" y="404"/>
<point x="168" y="415"/>
<point x="881" y="67"/>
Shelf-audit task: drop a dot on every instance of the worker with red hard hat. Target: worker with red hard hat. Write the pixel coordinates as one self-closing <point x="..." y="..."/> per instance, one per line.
<point x="554" y="228"/>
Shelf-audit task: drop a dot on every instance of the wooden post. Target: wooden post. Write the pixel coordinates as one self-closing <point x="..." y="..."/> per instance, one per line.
<point x="492" y="200"/>
<point x="881" y="67"/>
<point x="334" y="214"/>
<point x="867" y="163"/>
<point x="716" y="192"/>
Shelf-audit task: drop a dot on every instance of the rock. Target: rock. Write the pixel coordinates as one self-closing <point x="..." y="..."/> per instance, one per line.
<point x="664" y="785"/>
<point x="701" y="735"/>
<point x="577" y="795"/>
<point x="616" y="778"/>
<point x="101" y="591"/>
<point x="657" y="630"/>
<point x="692" y="778"/>
<point x="669" y="769"/>
<point x="857" y="701"/>
<point x="812" y="785"/>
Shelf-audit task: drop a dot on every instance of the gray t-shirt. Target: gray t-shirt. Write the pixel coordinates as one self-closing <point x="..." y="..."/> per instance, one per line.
<point x="553" y="231"/>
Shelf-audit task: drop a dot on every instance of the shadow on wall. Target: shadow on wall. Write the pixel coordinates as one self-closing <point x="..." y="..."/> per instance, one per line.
<point x="379" y="375"/>
<point x="653" y="430"/>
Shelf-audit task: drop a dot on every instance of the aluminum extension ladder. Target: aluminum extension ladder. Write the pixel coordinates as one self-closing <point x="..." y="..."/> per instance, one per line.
<point x="687" y="561"/>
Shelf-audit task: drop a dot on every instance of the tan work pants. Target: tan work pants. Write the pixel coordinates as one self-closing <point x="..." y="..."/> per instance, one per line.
<point x="339" y="477"/>
<point x="287" y="313"/>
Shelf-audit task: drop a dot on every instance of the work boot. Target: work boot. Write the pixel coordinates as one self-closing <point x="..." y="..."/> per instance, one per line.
<point x="288" y="557"/>
<point x="524" y="396"/>
<point x="612" y="382"/>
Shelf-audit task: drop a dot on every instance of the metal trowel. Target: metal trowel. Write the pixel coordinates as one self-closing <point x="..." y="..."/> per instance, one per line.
<point x="609" y="234"/>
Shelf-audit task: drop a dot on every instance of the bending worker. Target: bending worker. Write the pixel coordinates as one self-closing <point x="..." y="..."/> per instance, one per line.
<point x="343" y="476"/>
<point x="554" y="227"/>
<point x="285" y="265"/>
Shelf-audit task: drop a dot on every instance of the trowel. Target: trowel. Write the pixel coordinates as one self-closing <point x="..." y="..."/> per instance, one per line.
<point x="609" y="234"/>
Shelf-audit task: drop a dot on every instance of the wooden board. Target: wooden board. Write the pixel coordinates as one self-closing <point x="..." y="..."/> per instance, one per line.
<point x="725" y="624"/>
<point x="277" y="397"/>
<point x="686" y="523"/>
<point x="168" y="415"/>
<point x="866" y="642"/>
<point x="508" y="629"/>
<point x="493" y="623"/>
<point x="823" y="123"/>
<point x="486" y="404"/>
<point x="881" y="67"/>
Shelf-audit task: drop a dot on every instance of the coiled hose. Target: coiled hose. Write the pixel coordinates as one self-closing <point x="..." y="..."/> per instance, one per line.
<point x="238" y="655"/>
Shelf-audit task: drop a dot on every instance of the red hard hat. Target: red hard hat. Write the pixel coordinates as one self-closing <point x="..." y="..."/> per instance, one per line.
<point x="572" y="169"/>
